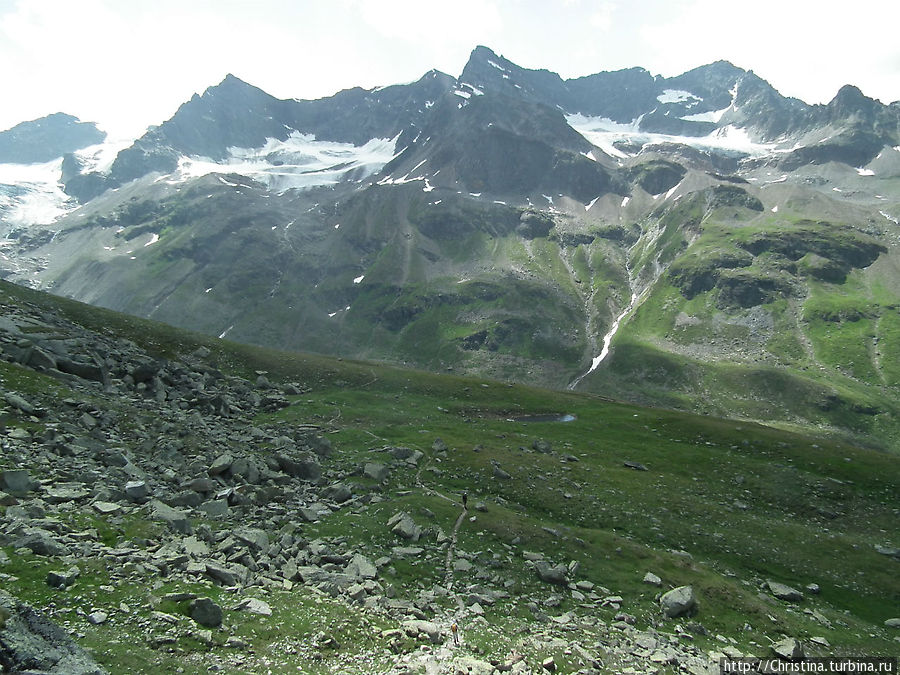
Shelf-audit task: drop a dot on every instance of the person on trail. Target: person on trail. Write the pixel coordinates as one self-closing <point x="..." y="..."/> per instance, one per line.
<point x="465" y="499"/>
<point x="455" y="630"/>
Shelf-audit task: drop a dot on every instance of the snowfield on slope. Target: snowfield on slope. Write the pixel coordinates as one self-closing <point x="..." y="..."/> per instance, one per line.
<point x="605" y="133"/>
<point x="300" y="161"/>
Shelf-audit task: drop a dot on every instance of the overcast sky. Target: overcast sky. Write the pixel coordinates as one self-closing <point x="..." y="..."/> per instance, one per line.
<point x="126" y="64"/>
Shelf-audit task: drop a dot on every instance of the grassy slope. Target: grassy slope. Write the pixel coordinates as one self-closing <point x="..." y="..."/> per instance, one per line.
<point x="815" y="353"/>
<point x="748" y="503"/>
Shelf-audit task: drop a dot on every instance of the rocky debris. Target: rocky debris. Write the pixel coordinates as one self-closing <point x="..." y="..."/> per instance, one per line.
<point x="678" y="602"/>
<point x="637" y="466"/>
<point x="784" y="592"/>
<point x="230" y="497"/>
<point x="30" y="642"/>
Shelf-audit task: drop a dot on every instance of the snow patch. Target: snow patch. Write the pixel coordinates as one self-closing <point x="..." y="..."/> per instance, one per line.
<point x="302" y="162"/>
<point x="775" y="209"/>
<point x="865" y="172"/>
<point x="604" y="133"/>
<point x="153" y="239"/>
<point x="497" y="66"/>
<point x="891" y="218"/>
<point x="709" y="116"/>
<point x="587" y="207"/>
<point x="677" y="96"/>
<point x="359" y="279"/>
<point x="625" y="201"/>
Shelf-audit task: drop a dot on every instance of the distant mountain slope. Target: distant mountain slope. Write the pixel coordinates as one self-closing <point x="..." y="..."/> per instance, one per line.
<point x="47" y="138"/>
<point x="699" y="241"/>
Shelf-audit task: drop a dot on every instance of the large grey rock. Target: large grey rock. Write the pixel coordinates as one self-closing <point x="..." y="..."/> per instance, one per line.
<point x="224" y="575"/>
<point x="678" y="602"/>
<point x="30" y="642"/>
<point x="304" y="467"/>
<point x="892" y="623"/>
<point x="253" y="537"/>
<point x="339" y="492"/>
<point x="255" y="606"/>
<point x="788" y="649"/>
<point x="376" y="471"/>
<point x="176" y="520"/>
<point x="137" y="491"/>
<point x="23" y="405"/>
<point x="419" y="627"/>
<point x="206" y="612"/>
<point x="404" y="526"/>
<point x="59" y="494"/>
<point x="784" y="592"/>
<point x="220" y="464"/>
<point x="63" y="579"/>
<point x="553" y="574"/>
<point x="40" y="542"/>
<point x="652" y="579"/>
<point x="17" y="482"/>
<point x="361" y="567"/>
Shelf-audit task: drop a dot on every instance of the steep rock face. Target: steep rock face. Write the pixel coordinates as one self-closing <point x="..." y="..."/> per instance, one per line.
<point x="495" y="144"/>
<point x="46" y="139"/>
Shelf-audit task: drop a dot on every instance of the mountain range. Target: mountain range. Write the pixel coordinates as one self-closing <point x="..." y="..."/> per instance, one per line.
<point x="697" y="242"/>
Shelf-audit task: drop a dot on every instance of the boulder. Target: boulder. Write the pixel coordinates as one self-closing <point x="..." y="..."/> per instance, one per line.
<point x="254" y="606"/>
<point x="361" y="567"/>
<point x="40" y="542"/>
<point x="542" y="446"/>
<point x="892" y="623"/>
<point x="253" y="537"/>
<point x="339" y="492"/>
<point x="305" y="468"/>
<point x="678" y="602"/>
<point x="553" y="574"/>
<point x="17" y="482"/>
<point x="220" y="464"/>
<point x="63" y="579"/>
<point x="784" y="592"/>
<point x="418" y="627"/>
<point x="404" y="526"/>
<point x="176" y="520"/>
<point x="376" y="471"/>
<point x="788" y="649"/>
<point x="206" y="612"/>
<point x="137" y="491"/>
<point x="652" y="579"/>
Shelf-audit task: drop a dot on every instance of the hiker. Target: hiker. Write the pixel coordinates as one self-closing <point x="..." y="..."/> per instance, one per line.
<point x="455" y="630"/>
<point x="465" y="499"/>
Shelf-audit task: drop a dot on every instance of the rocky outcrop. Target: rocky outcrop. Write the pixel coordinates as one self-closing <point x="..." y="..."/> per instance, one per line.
<point x="30" y="642"/>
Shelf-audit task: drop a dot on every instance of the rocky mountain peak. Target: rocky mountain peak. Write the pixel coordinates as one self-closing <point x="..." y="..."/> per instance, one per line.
<point x="47" y="138"/>
<point x="851" y="102"/>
